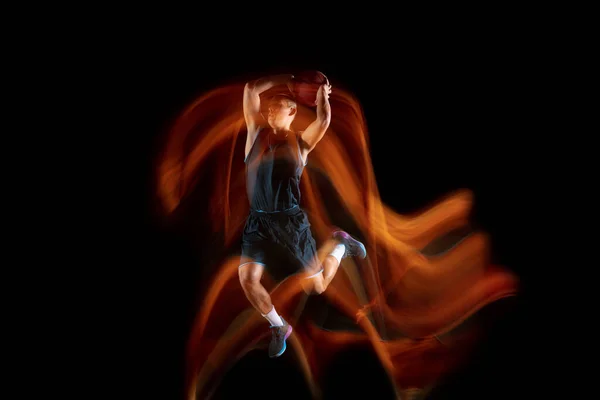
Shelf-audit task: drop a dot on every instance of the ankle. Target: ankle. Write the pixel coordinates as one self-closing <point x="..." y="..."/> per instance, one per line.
<point x="273" y="317"/>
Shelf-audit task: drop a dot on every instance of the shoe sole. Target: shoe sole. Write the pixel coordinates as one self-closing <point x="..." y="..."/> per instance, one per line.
<point x="362" y="249"/>
<point x="355" y="243"/>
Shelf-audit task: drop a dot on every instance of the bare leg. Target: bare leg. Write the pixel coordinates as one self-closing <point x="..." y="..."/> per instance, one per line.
<point x="329" y="257"/>
<point x="316" y="282"/>
<point x="250" y="275"/>
<point x="330" y="267"/>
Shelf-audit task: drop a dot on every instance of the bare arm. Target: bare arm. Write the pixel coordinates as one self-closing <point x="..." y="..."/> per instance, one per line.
<point x="315" y="131"/>
<point x="252" y="92"/>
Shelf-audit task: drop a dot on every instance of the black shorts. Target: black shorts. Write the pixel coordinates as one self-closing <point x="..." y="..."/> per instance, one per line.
<point x="281" y="241"/>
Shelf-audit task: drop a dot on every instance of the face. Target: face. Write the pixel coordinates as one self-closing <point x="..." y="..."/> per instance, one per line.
<point x="280" y="114"/>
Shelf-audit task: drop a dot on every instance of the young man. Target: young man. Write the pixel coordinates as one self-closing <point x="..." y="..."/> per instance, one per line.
<point x="277" y="233"/>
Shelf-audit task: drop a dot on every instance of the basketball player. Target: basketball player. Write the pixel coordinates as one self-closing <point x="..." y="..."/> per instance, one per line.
<point x="277" y="233"/>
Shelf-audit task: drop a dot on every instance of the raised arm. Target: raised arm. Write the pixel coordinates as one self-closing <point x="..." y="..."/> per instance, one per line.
<point x="315" y="131"/>
<point x="252" y="92"/>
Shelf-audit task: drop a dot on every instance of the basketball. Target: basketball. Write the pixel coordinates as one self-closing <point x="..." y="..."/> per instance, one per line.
<point x="306" y="85"/>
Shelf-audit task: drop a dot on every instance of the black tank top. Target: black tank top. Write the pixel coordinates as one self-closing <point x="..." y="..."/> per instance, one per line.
<point x="273" y="170"/>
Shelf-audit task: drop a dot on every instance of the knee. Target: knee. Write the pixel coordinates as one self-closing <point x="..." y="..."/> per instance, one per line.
<point x="319" y="288"/>
<point x="247" y="280"/>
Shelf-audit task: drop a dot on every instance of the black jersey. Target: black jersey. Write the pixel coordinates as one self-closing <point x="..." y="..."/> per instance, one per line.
<point x="274" y="168"/>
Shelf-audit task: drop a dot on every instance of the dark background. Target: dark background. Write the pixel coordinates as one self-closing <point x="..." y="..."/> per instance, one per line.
<point x="459" y="115"/>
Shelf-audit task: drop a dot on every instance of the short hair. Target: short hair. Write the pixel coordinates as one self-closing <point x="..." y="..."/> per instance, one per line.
<point x="289" y="100"/>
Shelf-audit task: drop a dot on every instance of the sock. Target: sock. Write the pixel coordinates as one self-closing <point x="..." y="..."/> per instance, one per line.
<point x="273" y="318"/>
<point x="338" y="252"/>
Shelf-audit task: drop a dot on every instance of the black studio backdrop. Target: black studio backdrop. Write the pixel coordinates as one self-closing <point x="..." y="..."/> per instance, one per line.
<point x="456" y="117"/>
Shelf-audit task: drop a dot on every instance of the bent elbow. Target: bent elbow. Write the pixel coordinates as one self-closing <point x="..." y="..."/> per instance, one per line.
<point x="250" y="87"/>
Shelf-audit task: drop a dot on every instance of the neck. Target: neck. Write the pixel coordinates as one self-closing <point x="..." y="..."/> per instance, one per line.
<point x="281" y="131"/>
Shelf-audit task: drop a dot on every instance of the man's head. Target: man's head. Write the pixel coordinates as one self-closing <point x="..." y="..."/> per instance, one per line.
<point x="282" y="111"/>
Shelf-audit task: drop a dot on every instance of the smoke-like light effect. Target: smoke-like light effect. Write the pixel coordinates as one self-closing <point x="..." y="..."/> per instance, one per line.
<point x="396" y="293"/>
